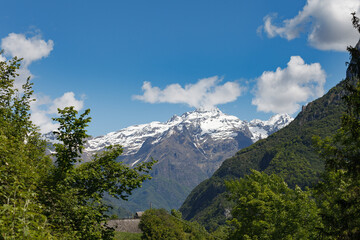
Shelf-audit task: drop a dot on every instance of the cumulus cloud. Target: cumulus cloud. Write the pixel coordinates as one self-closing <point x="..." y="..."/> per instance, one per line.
<point x="66" y="100"/>
<point x="43" y="121"/>
<point x="206" y="93"/>
<point x="282" y="91"/>
<point x="29" y="48"/>
<point x="328" y="23"/>
<point x="44" y="108"/>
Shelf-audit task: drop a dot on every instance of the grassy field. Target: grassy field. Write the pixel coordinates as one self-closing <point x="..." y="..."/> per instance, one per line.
<point x="127" y="236"/>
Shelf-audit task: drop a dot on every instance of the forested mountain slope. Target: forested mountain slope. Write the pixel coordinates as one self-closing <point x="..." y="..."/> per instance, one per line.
<point x="288" y="153"/>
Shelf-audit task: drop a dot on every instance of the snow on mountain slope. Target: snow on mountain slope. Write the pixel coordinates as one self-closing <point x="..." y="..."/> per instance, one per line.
<point x="202" y="123"/>
<point x="262" y="129"/>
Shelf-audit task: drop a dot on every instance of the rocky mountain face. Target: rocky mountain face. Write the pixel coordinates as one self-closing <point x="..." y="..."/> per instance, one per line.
<point x="189" y="148"/>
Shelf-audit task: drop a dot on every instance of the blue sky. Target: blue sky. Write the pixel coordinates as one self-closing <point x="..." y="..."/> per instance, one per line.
<point x="138" y="61"/>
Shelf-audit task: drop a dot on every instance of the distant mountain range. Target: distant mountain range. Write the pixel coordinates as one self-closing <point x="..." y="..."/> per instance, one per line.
<point x="189" y="148"/>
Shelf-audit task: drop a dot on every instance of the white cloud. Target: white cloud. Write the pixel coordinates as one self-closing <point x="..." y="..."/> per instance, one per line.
<point x="40" y="115"/>
<point x="43" y="121"/>
<point x="328" y="23"/>
<point x="31" y="49"/>
<point x="282" y="91"/>
<point x="44" y="108"/>
<point x="66" y="100"/>
<point x="206" y="93"/>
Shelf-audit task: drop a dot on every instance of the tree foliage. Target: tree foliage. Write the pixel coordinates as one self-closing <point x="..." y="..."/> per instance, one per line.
<point x="22" y="161"/>
<point x="266" y="208"/>
<point x="158" y="224"/>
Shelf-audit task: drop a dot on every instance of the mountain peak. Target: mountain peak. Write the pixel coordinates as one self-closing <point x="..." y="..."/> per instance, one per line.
<point x="201" y="114"/>
<point x="208" y="109"/>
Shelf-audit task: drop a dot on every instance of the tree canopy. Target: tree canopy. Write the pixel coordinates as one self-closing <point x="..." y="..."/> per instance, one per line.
<point x="266" y="208"/>
<point x="158" y="224"/>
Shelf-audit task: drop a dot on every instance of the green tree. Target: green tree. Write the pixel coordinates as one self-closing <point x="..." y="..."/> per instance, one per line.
<point x="338" y="194"/>
<point x="266" y="208"/>
<point x="22" y="161"/>
<point x="158" y="224"/>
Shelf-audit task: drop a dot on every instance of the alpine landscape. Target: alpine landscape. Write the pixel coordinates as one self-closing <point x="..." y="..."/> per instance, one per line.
<point x="188" y="148"/>
<point x="180" y="120"/>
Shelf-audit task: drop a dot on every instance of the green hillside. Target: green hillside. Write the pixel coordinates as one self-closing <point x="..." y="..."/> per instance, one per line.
<point x="153" y="192"/>
<point x="288" y="153"/>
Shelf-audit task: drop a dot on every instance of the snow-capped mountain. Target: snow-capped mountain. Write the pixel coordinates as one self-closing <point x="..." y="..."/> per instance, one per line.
<point x="189" y="149"/>
<point x="203" y="123"/>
